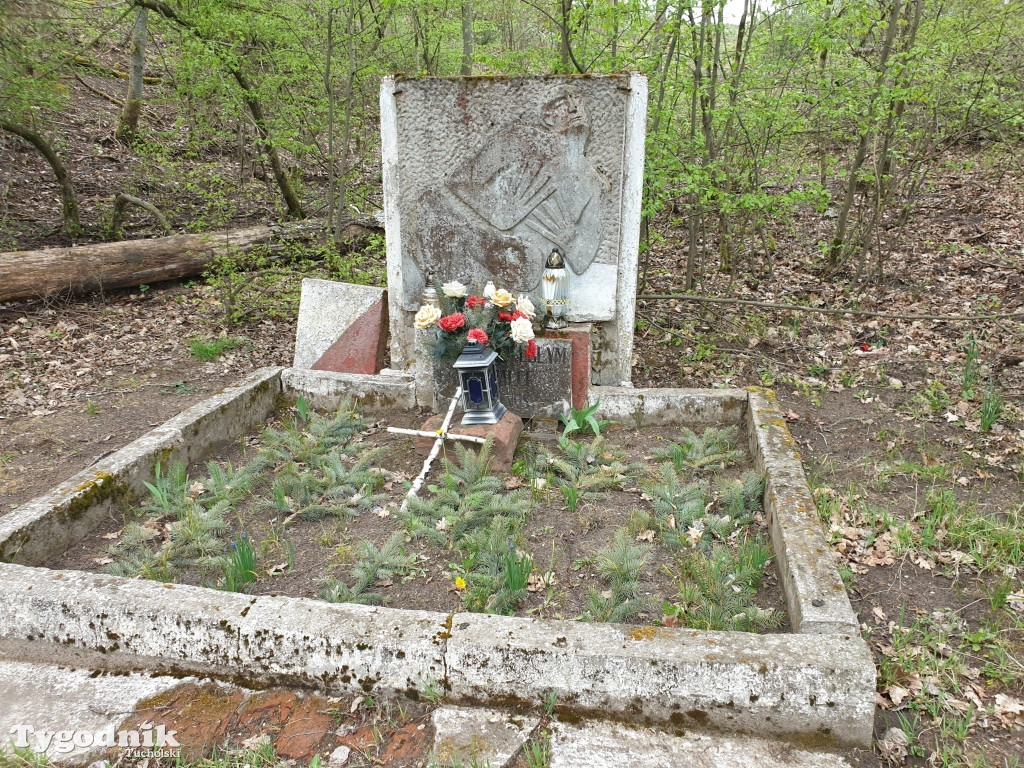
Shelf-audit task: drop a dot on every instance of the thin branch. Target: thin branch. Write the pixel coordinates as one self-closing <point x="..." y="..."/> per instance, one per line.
<point x="825" y="310"/>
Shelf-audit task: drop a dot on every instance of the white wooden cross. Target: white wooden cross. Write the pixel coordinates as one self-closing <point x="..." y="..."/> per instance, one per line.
<point x="440" y="436"/>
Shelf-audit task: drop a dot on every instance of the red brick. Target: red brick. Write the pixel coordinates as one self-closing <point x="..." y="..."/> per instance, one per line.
<point x="408" y="746"/>
<point x="362" y="348"/>
<point x="506" y="436"/>
<point x="580" y="337"/>
<point x="307" y="727"/>
<point x="200" y="714"/>
<point x="264" y="712"/>
<point x="360" y="740"/>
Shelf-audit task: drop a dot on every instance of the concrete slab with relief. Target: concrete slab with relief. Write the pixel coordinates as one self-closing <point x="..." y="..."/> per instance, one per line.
<point x="484" y="177"/>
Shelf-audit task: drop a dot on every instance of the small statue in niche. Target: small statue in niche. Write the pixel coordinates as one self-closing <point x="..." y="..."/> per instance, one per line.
<point x="555" y="291"/>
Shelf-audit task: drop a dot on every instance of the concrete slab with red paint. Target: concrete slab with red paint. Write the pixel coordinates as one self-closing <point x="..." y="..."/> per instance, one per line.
<point x="342" y="327"/>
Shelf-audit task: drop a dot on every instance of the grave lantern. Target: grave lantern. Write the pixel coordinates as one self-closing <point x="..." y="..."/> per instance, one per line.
<point x="480" y="398"/>
<point x="430" y="296"/>
<point x="555" y="289"/>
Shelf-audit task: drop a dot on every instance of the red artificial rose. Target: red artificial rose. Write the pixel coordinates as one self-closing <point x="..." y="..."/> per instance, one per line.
<point x="531" y="349"/>
<point x="505" y="317"/>
<point x="517" y="314"/>
<point x="478" y="335"/>
<point x="452" y="322"/>
<point x="475" y="301"/>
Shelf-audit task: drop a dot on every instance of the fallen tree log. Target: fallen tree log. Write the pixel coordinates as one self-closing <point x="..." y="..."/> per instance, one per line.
<point x="103" y="266"/>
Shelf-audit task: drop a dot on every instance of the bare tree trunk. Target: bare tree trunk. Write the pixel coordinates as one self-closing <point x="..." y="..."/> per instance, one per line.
<point x="329" y="89"/>
<point x="291" y="200"/>
<point x="693" y="223"/>
<point x="255" y="108"/>
<point x="128" y="122"/>
<point x="69" y="212"/>
<point x="615" y="34"/>
<point x="645" y="222"/>
<point x="837" y="247"/>
<point x="29" y="274"/>
<point x="467" y="38"/>
<point x="822" y="61"/>
<point x="565" y="7"/>
<point x="884" y="169"/>
<point x="346" y="138"/>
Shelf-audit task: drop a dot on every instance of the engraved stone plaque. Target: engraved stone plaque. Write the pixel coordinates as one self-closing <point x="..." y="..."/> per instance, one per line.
<point x="529" y="388"/>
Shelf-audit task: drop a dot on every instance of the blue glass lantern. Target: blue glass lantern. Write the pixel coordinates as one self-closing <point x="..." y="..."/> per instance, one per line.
<point x="480" y="398"/>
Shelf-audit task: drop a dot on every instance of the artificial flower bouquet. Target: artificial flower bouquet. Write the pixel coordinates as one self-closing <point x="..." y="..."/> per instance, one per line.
<point x="496" y="318"/>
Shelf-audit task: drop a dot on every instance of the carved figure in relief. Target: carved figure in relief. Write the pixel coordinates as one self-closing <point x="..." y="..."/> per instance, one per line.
<point x="538" y="185"/>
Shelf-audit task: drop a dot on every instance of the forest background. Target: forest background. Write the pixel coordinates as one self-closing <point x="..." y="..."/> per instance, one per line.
<point x="850" y="169"/>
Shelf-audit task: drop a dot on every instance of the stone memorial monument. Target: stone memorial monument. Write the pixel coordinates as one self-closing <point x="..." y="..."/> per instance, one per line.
<point x="484" y="177"/>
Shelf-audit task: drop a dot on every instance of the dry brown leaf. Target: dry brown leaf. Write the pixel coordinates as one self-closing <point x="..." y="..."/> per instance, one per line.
<point x="894" y="746"/>
<point x="897" y="694"/>
<point x="1009" y="710"/>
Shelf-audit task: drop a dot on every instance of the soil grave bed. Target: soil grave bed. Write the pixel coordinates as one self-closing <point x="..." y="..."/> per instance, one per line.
<point x="588" y="528"/>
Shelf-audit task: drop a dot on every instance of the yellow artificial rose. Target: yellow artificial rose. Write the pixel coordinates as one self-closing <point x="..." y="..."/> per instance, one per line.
<point x="427" y="317"/>
<point x="502" y="298"/>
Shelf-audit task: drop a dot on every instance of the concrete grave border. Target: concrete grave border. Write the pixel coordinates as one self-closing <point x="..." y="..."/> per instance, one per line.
<point x="815" y="685"/>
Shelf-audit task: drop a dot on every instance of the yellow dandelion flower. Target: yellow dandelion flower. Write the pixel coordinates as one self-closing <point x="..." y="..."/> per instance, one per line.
<point x="460" y="583"/>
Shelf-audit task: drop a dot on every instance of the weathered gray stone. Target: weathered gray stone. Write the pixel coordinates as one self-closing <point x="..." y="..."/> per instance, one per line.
<point x="326" y="390"/>
<point x="113" y="623"/>
<point x="46" y="697"/>
<point x="326" y="310"/>
<point x="471" y="736"/>
<point x="816" y="598"/>
<point x="49" y="523"/>
<point x="539" y="387"/>
<point x="785" y="685"/>
<point x="793" y="686"/>
<point x="614" y="745"/>
<point x="657" y="407"/>
<point x="338" y="757"/>
<point x="483" y="177"/>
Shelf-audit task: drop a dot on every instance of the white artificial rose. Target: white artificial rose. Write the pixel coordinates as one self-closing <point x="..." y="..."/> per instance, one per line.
<point x="502" y="298"/>
<point x="427" y="317"/>
<point x="521" y="330"/>
<point x="454" y="289"/>
<point x="524" y="305"/>
<point x="489" y="290"/>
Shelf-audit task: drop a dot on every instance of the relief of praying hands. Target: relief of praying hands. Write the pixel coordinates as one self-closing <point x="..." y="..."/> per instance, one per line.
<point x="557" y="222"/>
<point x="538" y="184"/>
